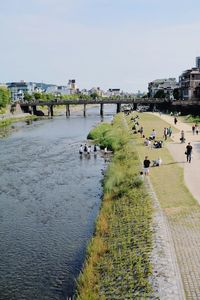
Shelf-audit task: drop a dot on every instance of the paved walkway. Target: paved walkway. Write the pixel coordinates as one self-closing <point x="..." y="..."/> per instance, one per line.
<point x="185" y="229"/>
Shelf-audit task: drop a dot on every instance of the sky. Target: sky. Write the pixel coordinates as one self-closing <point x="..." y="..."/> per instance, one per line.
<point x="107" y="43"/>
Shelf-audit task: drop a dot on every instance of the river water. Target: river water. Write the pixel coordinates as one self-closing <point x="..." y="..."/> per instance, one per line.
<point x="49" y="199"/>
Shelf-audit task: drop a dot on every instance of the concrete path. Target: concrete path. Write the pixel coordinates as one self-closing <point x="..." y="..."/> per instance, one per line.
<point x="185" y="228"/>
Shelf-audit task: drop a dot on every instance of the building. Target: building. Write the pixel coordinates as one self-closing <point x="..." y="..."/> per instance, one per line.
<point x="72" y="86"/>
<point x="97" y="91"/>
<point x="198" y="62"/>
<point x="18" y="89"/>
<point x="189" y="83"/>
<point x="113" y="92"/>
<point x="166" y="85"/>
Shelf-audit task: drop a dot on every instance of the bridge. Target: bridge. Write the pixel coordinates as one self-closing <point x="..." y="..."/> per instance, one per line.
<point x="101" y="101"/>
<point x="134" y="102"/>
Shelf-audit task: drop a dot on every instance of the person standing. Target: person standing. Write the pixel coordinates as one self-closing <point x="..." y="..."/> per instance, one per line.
<point x="146" y="164"/>
<point x="182" y="137"/>
<point x="85" y="148"/>
<point x="197" y="129"/>
<point x="81" y="150"/>
<point x="165" y="132"/>
<point x="141" y="130"/>
<point x="169" y="131"/>
<point x="189" y="152"/>
<point x="193" y="129"/>
<point x="175" y="120"/>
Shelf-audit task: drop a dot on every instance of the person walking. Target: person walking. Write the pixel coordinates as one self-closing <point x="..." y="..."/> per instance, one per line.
<point x="146" y="164"/>
<point x="182" y="139"/>
<point x="165" y="132"/>
<point x="193" y="129"/>
<point x="175" y="120"/>
<point x="169" y="131"/>
<point x="188" y="152"/>
<point x="141" y="130"/>
<point x="197" y="129"/>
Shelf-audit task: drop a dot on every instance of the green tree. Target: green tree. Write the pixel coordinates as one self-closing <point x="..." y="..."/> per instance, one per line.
<point x="27" y="96"/>
<point x="37" y="96"/>
<point x="160" y="94"/>
<point x="4" y="97"/>
<point x="176" y="93"/>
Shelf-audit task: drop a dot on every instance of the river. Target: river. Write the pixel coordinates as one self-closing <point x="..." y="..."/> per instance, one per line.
<point x="49" y="200"/>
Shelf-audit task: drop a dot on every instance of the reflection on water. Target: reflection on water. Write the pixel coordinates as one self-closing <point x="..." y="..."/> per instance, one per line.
<point x="49" y="199"/>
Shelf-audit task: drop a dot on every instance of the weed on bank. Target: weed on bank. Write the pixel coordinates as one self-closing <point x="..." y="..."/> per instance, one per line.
<point x="118" y="264"/>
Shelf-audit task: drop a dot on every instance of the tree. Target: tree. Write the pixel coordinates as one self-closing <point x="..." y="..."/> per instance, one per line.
<point x="4" y="97"/>
<point x="37" y="96"/>
<point x="159" y="94"/>
<point x="176" y="93"/>
<point x="94" y="96"/>
<point x="27" y="96"/>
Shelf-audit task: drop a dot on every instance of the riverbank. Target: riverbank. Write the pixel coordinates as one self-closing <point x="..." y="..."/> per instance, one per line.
<point x="175" y="222"/>
<point x="118" y="263"/>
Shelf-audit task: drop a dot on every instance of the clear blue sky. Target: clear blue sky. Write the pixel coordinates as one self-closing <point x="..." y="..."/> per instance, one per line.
<point x="106" y="43"/>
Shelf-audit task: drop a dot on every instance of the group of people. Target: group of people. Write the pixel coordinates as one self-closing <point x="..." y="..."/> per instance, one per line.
<point x="146" y="164"/>
<point x="87" y="149"/>
<point x="167" y="132"/>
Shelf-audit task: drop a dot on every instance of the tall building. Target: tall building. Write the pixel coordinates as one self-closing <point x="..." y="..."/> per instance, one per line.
<point x="189" y="82"/>
<point x="72" y="86"/>
<point x="198" y="62"/>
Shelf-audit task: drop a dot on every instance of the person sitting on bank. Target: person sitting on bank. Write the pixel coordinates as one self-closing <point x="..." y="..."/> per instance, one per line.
<point x="153" y="135"/>
<point x="158" y="144"/>
<point x="157" y="162"/>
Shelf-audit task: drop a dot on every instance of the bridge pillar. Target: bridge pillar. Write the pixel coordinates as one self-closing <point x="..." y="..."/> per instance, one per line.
<point x="152" y="106"/>
<point x="118" y="108"/>
<point x="84" y="110"/>
<point x="34" y="108"/>
<point x="51" y="110"/>
<point x="134" y="106"/>
<point x="48" y="110"/>
<point x="67" y="110"/>
<point x="101" y="109"/>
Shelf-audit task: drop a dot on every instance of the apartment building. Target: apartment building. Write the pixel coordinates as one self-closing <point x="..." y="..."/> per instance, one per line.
<point x="165" y="85"/>
<point x="189" y="83"/>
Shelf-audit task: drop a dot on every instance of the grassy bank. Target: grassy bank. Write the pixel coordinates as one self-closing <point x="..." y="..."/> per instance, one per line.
<point x="117" y="265"/>
<point x="191" y="119"/>
<point x="168" y="180"/>
<point x="8" y="121"/>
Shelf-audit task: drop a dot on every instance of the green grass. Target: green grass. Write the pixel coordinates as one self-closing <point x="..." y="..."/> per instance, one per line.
<point x="118" y="264"/>
<point x="113" y="136"/>
<point x="191" y="119"/>
<point x="167" y="180"/>
<point x="8" y="121"/>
